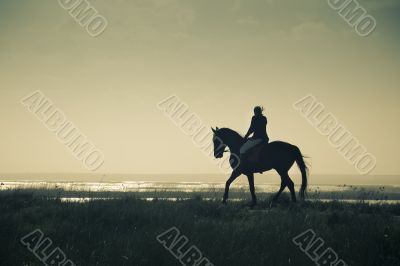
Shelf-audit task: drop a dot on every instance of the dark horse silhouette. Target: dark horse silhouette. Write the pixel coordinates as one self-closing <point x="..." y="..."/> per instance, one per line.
<point x="276" y="155"/>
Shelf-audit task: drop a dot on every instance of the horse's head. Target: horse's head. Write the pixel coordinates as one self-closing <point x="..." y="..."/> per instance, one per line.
<point x="219" y="145"/>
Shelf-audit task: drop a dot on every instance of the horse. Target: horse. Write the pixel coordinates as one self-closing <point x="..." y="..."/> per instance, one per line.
<point x="276" y="155"/>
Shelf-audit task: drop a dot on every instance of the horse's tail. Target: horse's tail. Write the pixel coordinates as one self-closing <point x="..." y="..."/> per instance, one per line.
<point x="304" y="171"/>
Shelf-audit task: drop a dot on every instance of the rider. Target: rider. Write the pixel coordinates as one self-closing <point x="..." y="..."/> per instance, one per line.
<point x="258" y="128"/>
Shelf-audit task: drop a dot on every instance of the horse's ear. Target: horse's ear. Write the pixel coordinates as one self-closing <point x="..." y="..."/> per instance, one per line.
<point x="213" y="130"/>
<point x="217" y="128"/>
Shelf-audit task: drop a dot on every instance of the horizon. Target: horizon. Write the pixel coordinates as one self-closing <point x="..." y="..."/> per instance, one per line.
<point x="266" y="178"/>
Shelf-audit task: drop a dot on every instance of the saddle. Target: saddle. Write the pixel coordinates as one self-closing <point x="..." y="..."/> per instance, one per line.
<point x="255" y="153"/>
<point x="253" y="156"/>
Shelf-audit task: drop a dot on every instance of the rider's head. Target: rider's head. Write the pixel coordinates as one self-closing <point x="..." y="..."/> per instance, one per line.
<point x="258" y="110"/>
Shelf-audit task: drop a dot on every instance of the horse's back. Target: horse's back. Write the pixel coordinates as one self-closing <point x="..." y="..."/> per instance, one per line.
<point x="278" y="155"/>
<point x="280" y="144"/>
<point x="276" y="149"/>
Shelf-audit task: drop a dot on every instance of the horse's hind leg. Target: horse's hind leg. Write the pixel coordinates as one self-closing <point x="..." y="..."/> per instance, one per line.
<point x="283" y="186"/>
<point x="285" y="181"/>
<point x="250" y="177"/>
<point x="290" y="185"/>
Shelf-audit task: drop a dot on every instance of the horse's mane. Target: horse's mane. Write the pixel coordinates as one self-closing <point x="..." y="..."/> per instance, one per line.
<point x="226" y="130"/>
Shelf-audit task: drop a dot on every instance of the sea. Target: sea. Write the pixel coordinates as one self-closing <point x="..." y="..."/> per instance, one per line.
<point x="80" y="187"/>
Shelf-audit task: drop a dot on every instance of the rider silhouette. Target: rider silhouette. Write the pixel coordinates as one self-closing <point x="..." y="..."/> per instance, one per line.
<point x="258" y="128"/>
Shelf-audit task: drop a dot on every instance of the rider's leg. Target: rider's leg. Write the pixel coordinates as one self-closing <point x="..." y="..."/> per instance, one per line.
<point x="257" y="150"/>
<point x="255" y="154"/>
<point x="244" y="151"/>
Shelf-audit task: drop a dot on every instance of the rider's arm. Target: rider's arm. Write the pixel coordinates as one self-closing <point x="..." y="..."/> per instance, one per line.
<point x="251" y="129"/>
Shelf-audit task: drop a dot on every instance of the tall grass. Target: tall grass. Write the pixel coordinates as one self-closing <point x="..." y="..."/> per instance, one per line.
<point x="123" y="231"/>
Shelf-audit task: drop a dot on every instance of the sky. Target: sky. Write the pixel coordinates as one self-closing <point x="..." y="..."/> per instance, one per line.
<point x="221" y="58"/>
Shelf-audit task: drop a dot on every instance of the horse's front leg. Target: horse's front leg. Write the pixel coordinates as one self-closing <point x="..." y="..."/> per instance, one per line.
<point x="250" y="177"/>
<point x="232" y="178"/>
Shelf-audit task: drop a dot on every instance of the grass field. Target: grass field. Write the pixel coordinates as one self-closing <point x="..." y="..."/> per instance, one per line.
<point x="124" y="231"/>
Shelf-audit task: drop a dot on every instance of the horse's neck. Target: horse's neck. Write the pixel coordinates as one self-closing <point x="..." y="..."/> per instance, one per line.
<point x="235" y="143"/>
